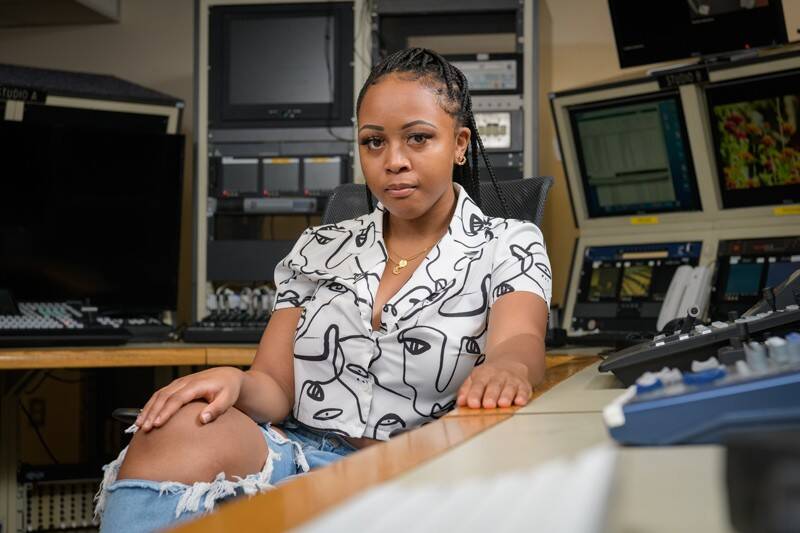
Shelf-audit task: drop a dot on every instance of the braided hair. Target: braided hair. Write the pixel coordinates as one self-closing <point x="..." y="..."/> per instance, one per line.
<point x="451" y="86"/>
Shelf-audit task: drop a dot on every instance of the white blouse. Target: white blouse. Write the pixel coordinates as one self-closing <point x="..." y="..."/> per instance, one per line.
<point x="358" y="382"/>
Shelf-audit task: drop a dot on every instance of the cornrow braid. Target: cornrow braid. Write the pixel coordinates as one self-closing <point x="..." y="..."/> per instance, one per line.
<point x="432" y="69"/>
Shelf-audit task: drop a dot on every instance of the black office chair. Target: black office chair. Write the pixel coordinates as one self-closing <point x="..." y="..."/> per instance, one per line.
<point x="525" y="197"/>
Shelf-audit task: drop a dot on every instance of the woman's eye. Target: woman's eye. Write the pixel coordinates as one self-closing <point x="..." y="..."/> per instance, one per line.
<point x="418" y="138"/>
<point x="373" y="143"/>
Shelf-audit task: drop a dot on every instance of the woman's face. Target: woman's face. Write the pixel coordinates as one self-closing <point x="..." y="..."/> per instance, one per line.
<point x="407" y="145"/>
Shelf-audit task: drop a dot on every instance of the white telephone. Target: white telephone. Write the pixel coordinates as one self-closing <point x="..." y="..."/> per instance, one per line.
<point x="690" y="288"/>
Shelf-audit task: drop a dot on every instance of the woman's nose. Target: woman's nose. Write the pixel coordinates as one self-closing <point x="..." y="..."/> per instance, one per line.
<point x="396" y="160"/>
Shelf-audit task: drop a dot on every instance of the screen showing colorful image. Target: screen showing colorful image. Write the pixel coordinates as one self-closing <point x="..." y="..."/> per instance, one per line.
<point x="636" y="281"/>
<point x="604" y="283"/>
<point x="756" y="140"/>
<point x="621" y="287"/>
<point x="759" y="142"/>
<point x="744" y="279"/>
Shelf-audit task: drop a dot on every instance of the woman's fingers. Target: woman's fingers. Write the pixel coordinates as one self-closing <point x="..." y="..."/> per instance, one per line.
<point x="180" y="398"/>
<point x="461" y="397"/>
<point x="492" y="391"/>
<point x="156" y="399"/>
<point x="157" y="404"/>
<point x="523" y="394"/>
<point x="491" y="387"/>
<point x="508" y="394"/>
<point x="475" y="394"/>
<point x="221" y="403"/>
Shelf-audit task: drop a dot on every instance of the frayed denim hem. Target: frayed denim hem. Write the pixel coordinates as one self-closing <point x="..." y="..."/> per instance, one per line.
<point x="201" y="496"/>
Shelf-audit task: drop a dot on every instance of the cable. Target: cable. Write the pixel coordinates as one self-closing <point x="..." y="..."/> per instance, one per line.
<point x="38" y="384"/>
<point x="365" y="11"/>
<point x="38" y="434"/>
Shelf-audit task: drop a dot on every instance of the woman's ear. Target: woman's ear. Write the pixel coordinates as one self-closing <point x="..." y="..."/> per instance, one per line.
<point x="462" y="141"/>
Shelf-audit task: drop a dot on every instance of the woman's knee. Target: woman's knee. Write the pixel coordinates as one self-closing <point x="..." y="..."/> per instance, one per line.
<point x="186" y="450"/>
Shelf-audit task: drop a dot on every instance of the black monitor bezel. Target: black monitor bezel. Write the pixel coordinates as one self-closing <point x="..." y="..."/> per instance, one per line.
<point x="223" y="114"/>
<point x="765" y="25"/>
<point x="722" y="93"/>
<point x="644" y="98"/>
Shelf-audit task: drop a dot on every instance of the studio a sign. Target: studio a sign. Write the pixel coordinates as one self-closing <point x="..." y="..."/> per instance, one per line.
<point x="22" y="94"/>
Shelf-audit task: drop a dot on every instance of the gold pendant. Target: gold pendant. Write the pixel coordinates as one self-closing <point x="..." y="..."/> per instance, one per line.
<point x="396" y="270"/>
<point x="402" y="263"/>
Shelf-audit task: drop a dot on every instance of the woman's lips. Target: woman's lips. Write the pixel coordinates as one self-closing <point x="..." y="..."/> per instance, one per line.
<point x="401" y="192"/>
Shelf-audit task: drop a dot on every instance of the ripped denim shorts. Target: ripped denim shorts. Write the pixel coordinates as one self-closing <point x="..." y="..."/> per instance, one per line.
<point x="137" y="505"/>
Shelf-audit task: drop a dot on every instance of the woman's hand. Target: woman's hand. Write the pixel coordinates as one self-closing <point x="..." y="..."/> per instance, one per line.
<point x="218" y="386"/>
<point x="495" y="384"/>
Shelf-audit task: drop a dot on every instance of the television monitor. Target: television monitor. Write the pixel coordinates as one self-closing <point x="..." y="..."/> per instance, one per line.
<point x="746" y="266"/>
<point x="622" y="287"/>
<point x="755" y="126"/>
<point x="662" y="30"/>
<point x="633" y="156"/>
<point x="281" y="65"/>
<point x="90" y="213"/>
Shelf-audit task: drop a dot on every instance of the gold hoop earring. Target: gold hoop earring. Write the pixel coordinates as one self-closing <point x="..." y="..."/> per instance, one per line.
<point x="460" y="160"/>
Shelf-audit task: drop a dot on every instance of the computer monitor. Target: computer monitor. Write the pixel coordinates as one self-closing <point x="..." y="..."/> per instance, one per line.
<point x="622" y="287"/>
<point x="633" y="156"/>
<point x="90" y="213"/>
<point x="662" y="30"/>
<point x="287" y="65"/>
<point x="746" y="266"/>
<point x="755" y="125"/>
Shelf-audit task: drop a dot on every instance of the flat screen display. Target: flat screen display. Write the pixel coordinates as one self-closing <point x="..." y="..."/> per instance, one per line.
<point x="281" y="60"/>
<point x="622" y="287"/>
<point x="281" y="65"/>
<point x="661" y="30"/>
<point x="755" y="125"/>
<point x="746" y="266"/>
<point x="634" y="156"/>
<point x="90" y="213"/>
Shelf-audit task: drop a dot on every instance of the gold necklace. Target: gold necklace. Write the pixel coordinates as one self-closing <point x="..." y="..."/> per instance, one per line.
<point x="402" y="263"/>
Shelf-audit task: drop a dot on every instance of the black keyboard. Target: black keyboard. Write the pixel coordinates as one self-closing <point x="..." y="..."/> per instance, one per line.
<point x="678" y="350"/>
<point x="614" y="339"/>
<point x="38" y="324"/>
<point x="227" y="327"/>
<point x="142" y="329"/>
<point x="87" y="336"/>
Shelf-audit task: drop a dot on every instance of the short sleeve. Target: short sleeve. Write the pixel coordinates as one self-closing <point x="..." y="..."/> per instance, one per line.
<point x="521" y="263"/>
<point x="292" y="287"/>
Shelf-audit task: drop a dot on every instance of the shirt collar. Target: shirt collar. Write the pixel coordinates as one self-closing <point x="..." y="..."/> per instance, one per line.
<point x="466" y="229"/>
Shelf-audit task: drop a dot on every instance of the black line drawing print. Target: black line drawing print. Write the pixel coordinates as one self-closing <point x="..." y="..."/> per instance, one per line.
<point x="333" y="350"/>
<point x="428" y="344"/>
<point x="388" y="420"/>
<point x="449" y="307"/>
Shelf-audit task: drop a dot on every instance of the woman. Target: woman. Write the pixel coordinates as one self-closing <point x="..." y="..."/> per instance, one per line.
<point x="381" y="323"/>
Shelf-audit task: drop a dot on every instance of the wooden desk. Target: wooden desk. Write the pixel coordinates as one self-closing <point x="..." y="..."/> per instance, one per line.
<point x="306" y="497"/>
<point x="163" y="354"/>
<point x="655" y="490"/>
<point x="301" y="499"/>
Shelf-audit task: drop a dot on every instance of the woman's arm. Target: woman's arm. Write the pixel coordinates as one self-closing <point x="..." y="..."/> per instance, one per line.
<point x="267" y="393"/>
<point x="514" y="354"/>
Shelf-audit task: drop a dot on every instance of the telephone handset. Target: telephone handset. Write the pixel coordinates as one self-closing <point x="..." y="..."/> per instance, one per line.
<point x="689" y="291"/>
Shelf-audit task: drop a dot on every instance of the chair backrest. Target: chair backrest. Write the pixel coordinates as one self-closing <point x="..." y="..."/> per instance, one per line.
<point x="525" y="197"/>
